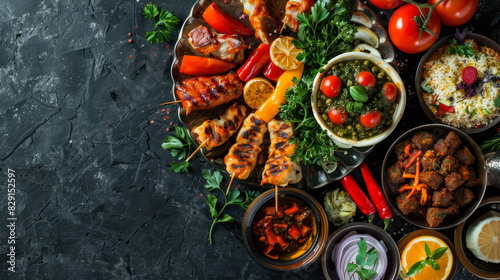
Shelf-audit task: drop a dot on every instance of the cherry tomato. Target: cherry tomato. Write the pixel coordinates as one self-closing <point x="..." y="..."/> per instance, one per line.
<point x="455" y="12"/>
<point x="390" y="91"/>
<point x="331" y="86"/>
<point x="404" y="31"/>
<point x="338" y="115"/>
<point x="387" y="4"/>
<point x="366" y="79"/>
<point x="370" y="119"/>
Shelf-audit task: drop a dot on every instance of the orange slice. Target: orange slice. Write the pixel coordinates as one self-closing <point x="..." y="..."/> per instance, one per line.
<point x="483" y="237"/>
<point x="284" y="53"/>
<point x="415" y="252"/>
<point x="256" y="91"/>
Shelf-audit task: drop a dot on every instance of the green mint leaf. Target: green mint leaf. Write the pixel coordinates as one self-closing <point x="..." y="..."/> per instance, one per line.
<point x="150" y="11"/>
<point x="366" y="274"/>
<point x="438" y="253"/>
<point x="427" y="249"/>
<point x="351" y="267"/>
<point x="415" y="268"/>
<point x="372" y="256"/>
<point x="212" y="202"/>
<point x="225" y="219"/>
<point x="179" y="167"/>
<point x="435" y="265"/>
<point x="213" y="179"/>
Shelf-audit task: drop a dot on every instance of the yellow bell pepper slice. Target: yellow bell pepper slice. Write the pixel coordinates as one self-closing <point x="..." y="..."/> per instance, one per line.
<point x="271" y="106"/>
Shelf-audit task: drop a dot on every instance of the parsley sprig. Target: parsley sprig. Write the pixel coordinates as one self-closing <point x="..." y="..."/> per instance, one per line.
<point x="429" y="260"/>
<point x="235" y="197"/>
<point x="363" y="259"/>
<point x="180" y="147"/>
<point x="167" y="22"/>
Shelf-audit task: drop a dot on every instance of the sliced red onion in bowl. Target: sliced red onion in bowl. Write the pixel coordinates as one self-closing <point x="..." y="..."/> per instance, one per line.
<point x="347" y="249"/>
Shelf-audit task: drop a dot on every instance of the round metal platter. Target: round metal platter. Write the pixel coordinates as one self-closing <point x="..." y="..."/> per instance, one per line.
<point x="313" y="175"/>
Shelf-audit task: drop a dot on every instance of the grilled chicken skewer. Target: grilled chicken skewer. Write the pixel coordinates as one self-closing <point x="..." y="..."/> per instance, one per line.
<point x="266" y="28"/>
<point x="225" y="47"/>
<point x="216" y="132"/>
<point x="293" y="8"/>
<point x="208" y="92"/>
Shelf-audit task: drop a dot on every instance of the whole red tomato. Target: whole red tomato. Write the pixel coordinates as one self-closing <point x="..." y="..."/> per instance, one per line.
<point x="403" y="29"/>
<point x="331" y="86"/>
<point x="370" y="119"/>
<point x="455" y="12"/>
<point x="338" y="116"/>
<point x="387" y="4"/>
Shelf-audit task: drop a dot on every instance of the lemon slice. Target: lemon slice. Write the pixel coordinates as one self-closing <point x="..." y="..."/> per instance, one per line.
<point x="256" y="91"/>
<point x="415" y="252"/>
<point x="483" y="237"/>
<point x="284" y="53"/>
<point x="368" y="36"/>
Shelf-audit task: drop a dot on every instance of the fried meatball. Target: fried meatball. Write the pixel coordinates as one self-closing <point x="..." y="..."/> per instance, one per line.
<point x="423" y="140"/>
<point x="395" y="173"/>
<point x="452" y="141"/>
<point x="441" y="198"/>
<point x="448" y="165"/>
<point x="430" y="160"/>
<point x="435" y="216"/>
<point x="453" y="181"/>
<point x="407" y="205"/>
<point x="465" y="156"/>
<point x="431" y="179"/>
<point x="463" y="196"/>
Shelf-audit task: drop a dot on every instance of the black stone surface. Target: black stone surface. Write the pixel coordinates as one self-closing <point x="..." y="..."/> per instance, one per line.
<point x="81" y="126"/>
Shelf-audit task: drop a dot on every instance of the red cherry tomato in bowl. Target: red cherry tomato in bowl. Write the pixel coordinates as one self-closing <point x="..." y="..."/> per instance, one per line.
<point x="387" y="4"/>
<point x="404" y="31"/>
<point x="338" y="115"/>
<point x="331" y="86"/>
<point x="370" y="119"/>
<point x="390" y="91"/>
<point x="455" y="12"/>
<point x="366" y="79"/>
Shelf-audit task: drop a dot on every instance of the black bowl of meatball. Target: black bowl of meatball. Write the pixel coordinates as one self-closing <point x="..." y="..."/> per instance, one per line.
<point x="434" y="176"/>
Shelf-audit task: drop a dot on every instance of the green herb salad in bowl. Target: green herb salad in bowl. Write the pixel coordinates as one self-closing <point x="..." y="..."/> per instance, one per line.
<point x="359" y="99"/>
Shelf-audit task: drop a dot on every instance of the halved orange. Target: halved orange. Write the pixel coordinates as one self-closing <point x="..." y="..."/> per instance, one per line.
<point x="256" y="91"/>
<point x="415" y="252"/>
<point x="284" y="53"/>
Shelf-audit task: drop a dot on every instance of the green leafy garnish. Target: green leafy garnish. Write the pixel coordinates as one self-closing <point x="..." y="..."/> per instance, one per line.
<point x="497" y="102"/>
<point x="429" y="260"/>
<point x="354" y="107"/>
<point x="235" y="197"/>
<point x="167" y="22"/>
<point x="492" y="145"/>
<point x="461" y="49"/>
<point x="180" y="147"/>
<point x="364" y="258"/>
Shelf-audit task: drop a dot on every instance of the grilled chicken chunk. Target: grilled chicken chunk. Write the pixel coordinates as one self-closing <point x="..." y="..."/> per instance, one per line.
<point x="266" y="28"/>
<point x="225" y="47"/>
<point x="208" y="92"/>
<point x="293" y="8"/>
<point x="281" y="171"/>
<point x="252" y="131"/>
<point x="280" y="132"/>
<point x="241" y="159"/>
<point x="215" y="132"/>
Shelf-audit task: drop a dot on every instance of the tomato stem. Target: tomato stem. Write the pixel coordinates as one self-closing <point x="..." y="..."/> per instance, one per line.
<point x="422" y="21"/>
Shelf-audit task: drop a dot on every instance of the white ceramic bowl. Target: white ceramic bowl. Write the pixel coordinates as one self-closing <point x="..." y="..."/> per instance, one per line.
<point x="398" y="113"/>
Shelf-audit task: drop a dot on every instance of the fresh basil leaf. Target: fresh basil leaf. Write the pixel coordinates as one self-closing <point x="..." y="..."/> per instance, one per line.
<point x="435" y="265"/>
<point x="427" y="249"/>
<point x="366" y="274"/>
<point x="213" y="179"/>
<point x="438" y="253"/>
<point x="179" y="167"/>
<point x="225" y="219"/>
<point x="415" y="268"/>
<point x="212" y="202"/>
<point x="351" y="267"/>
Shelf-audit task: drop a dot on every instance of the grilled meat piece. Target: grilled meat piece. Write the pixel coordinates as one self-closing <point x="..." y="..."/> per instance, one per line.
<point x="266" y="28"/>
<point x="452" y="211"/>
<point x="281" y="171"/>
<point x="208" y="92"/>
<point x="412" y="169"/>
<point x="453" y="181"/>
<point x="223" y="46"/>
<point x="399" y="149"/>
<point x="252" y="131"/>
<point x="241" y="159"/>
<point x="441" y="147"/>
<point x="431" y="179"/>
<point x="473" y="180"/>
<point x="465" y="156"/>
<point x="441" y="198"/>
<point x="452" y="141"/>
<point x="423" y="140"/>
<point x="430" y="160"/>
<point x="395" y="173"/>
<point x="435" y="216"/>
<point x="280" y="132"/>
<point x="215" y="132"/>
<point x="464" y="171"/>
<point x="448" y="165"/>
<point x="407" y="205"/>
<point x="463" y="196"/>
<point x="293" y="8"/>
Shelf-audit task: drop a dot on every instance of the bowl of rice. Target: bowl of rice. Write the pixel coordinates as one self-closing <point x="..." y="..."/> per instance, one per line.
<point x="471" y="105"/>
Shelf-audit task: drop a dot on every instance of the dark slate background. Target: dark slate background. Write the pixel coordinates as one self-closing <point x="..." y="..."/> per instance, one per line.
<point x="81" y="126"/>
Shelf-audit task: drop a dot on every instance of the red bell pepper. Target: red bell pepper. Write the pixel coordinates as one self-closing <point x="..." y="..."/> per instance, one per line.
<point x="282" y="242"/>
<point x="280" y="212"/>
<point x="273" y="72"/>
<point x="204" y="66"/>
<point x="224" y="23"/>
<point x="305" y="230"/>
<point x="445" y="108"/>
<point x="292" y="210"/>
<point x="359" y="197"/>
<point x="280" y="226"/>
<point x="294" y="232"/>
<point x="255" y="62"/>
<point x="271" y="237"/>
<point x="376" y="194"/>
<point x="269" y="211"/>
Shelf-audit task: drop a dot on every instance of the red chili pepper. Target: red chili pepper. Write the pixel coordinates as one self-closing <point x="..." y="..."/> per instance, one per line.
<point x="413" y="157"/>
<point x="376" y="194"/>
<point x="224" y="23"/>
<point x="294" y="232"/>
<point x="204" y="66"/>
<point x="273" y="72"/>
<point x="445" y="108"/>
<point x="292" y="210"/>
<point x="359" y="197"/>
<point x="271" y="237"/>
<point x="282" y="242"/>
<point x="255" y="62"/>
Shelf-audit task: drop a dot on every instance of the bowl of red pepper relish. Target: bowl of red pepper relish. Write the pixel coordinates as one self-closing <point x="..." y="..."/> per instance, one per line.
<point x="291" y="238"/>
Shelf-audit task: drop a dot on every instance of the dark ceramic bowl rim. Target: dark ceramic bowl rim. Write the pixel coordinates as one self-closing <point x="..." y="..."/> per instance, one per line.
<point x="459" y="231"/>
<point x="360" y="228"/>
<point x="317" y="246"/>
<point x="482" y="41"/>
<point x="481" y="164"/>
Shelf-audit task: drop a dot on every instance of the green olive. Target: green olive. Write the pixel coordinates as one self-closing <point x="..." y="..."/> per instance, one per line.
<point x="380" y="75"/>
<point x="352" y="114"/>
<point x="328" y="102"/>
<point x="335" y="67"/>
<point x="325" y="117"/>
<point x="356" y="61"/>
<point x="358" y="126"/>
<point x="341" y="64"/>
<point x="330" y="124"/>
<point x="370" y="133"/>
<point x="349" y="83"/>
<point x="391" y="111"/>
<point x="323" y="97"/>
<point x="388" y="122"/>
<point x="355" y="138"/>
<point x="341" y="133"/>
<point x="320" y="103"/>
<point x="374" y="69"/>
<point x="349" y="127"/>
<point x="354" y="133"/>
<point x="366" y="62"/>
<point x="394" y="105"/>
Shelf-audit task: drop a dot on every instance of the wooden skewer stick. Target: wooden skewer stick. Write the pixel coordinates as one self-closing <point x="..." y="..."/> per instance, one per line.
<point x="197" y="149"/>
<point x="230" y="183"/>
<point x="276" y="197"/>
<point x="171" y="102"/>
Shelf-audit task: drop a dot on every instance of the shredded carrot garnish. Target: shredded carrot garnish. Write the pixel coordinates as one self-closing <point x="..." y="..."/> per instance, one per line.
<point x="417" y="178"/>
<point x="408" y="175"/>
<point x="414" y="157"/>
<point x="407" y="150"/>
<point x="405" y="188"/>
<point x="423" y="198"/>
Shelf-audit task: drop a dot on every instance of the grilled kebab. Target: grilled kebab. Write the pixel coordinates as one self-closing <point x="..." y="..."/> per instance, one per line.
<point x="223" y="46"/>
<point x="293" y="8"/>
<point x="266" y="28"/>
